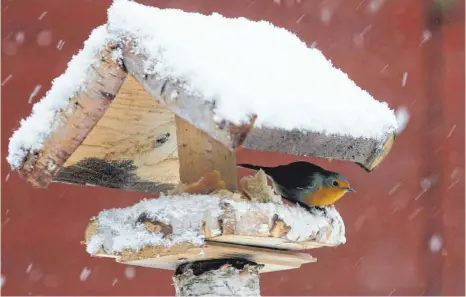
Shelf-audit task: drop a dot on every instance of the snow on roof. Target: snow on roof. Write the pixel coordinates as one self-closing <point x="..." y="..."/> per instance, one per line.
<point x="35" y="129"/>
<point x="246" y="67"/>
<point x="119" y="229"/>
<point x="250" y="67"/>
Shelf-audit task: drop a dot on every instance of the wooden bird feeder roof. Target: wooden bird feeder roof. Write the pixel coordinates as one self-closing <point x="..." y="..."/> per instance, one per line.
<point x="243" y="83"/>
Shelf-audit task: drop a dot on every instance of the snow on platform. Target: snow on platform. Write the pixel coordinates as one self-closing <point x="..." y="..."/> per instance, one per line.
<point x="122" y="229"/>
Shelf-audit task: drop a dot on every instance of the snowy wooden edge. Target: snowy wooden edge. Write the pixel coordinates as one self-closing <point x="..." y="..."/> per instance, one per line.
<point x="73" y="123"/>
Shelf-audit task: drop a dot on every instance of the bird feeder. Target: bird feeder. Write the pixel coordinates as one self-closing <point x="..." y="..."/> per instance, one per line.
<point x="146" y="107"/>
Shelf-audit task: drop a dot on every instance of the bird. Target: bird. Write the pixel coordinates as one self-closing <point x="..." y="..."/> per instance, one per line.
<point x="305" y="183"/>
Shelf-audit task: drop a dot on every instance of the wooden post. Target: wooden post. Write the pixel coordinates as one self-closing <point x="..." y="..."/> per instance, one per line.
<point x="233" y="277"/>
<point x="199" y="154"/>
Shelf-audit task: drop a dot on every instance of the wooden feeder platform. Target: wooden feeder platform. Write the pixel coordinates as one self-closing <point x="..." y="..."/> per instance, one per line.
<point x="242" y="230"/>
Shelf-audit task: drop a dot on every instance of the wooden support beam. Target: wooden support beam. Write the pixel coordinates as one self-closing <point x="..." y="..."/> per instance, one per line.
<point x="199" y="154"/>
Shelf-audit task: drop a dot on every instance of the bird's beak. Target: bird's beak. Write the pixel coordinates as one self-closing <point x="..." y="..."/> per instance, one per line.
<point x="350" y="190"/>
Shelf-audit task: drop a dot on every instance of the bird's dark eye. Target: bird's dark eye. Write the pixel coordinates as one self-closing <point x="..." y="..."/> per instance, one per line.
<point x="335" y="183"/>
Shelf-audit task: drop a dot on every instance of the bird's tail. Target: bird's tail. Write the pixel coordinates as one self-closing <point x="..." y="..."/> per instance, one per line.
<point x="253" y="167"/>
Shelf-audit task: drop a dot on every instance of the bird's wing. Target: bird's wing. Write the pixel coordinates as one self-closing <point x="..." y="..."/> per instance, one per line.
<point x="292" y="179"/>
<point x="304" y="190"/>
<point x="307" y="188"/>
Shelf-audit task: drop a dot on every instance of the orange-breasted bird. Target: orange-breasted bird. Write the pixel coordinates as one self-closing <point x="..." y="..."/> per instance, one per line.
<point x="305" y="183"/>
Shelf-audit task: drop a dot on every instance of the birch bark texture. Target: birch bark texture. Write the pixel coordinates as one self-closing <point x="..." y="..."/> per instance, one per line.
<point x="235" y="277"/>
<point x="73" y="123"/>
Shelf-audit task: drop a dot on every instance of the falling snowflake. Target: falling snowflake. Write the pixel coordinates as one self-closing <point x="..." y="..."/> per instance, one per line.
<point x="415" y="213"/>
<point x="300" y="18"/>
<point x="7" y="79"/>
<point x="427" y="183"/>
<point x="130" y="272"/>
<point x="325" y="15"/>
<point x="451" y="131"/>
<point x="391" y="292"/>
<point x="84" y="274"/>
<point x="393" y="189"/>
<point x="42" y="15"/>
<point x="402" y="118"/>
<point x="34" y="93"/>
<point x="455" y="173"/>
<point x="404" y="79"/>
<point x="358" y="39"/>
<point x="426" y="36"/>
<point x="19" y="37"/>
<point x="435" y="243"/>
<point x="374" y="5"/>
<point x="384" y="68"/>
<point x="44" y="38"/>
<point x="60" y="44"/>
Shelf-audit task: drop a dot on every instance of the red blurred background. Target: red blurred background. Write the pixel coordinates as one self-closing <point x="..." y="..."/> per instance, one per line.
<point x="405" y="225"/>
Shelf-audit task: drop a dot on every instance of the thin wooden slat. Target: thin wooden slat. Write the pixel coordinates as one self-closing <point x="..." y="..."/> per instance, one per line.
<point x="274" y="260"/>
<point x="270" y="242"/>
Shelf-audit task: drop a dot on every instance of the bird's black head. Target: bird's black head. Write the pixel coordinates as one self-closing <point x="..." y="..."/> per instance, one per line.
<point x="336" y="180"/>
